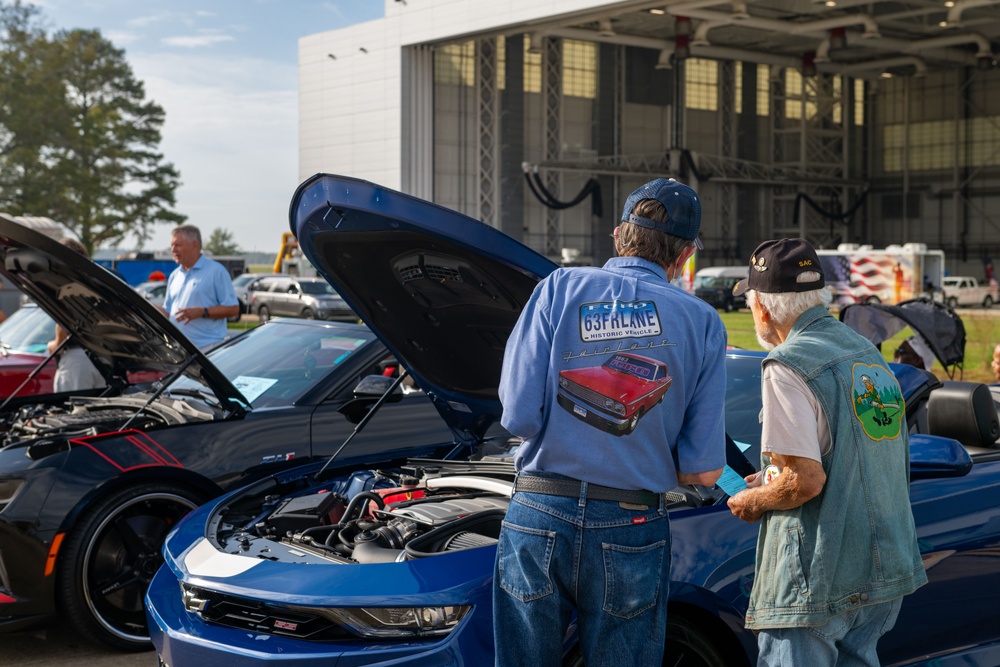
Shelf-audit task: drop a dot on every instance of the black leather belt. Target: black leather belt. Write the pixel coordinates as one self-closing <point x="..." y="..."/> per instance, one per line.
<point x="571" y="489"/>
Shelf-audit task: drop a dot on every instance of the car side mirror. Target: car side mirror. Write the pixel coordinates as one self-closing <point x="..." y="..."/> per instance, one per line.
<point x="932" y="456"/>
<point x="366" y="393"/>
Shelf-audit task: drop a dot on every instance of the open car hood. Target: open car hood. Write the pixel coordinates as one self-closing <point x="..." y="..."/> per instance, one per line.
<point x="440" y="289"/>
<point x="123" y="331"/>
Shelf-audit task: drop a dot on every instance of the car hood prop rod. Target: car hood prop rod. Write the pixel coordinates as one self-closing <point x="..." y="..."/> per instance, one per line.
<point x="367" y="418"/>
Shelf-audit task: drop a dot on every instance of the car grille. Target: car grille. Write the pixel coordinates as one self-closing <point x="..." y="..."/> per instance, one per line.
<point x="259" y="617"/>
<point x="589" y="395"/>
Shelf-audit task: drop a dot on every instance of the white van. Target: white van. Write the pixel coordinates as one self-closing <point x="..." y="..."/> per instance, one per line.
<point x="715" y="285"/>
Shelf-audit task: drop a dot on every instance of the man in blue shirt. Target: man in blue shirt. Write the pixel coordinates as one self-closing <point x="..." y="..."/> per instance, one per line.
<point x="200" y="294"/>
<point x="616" y="381"/>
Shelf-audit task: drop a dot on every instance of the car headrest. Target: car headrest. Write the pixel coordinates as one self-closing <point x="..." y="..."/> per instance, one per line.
<point x="964" y="411"/>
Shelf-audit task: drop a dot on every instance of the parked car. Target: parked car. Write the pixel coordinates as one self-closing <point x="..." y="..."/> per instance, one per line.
<point x="290" y="296"/>
<point x="715" y="285"/>
<point x="154" y="290"/>
<point x="243" y="284"/>
<point x="391" y="562"/>
<point x="614" y="396"/>
<point x="91" y="482"/>
<point x="967" y="291"/>
<point x="24" y="336"/>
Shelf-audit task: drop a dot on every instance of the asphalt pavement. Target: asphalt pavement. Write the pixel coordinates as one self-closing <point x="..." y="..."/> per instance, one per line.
<point x="62" y="647"/>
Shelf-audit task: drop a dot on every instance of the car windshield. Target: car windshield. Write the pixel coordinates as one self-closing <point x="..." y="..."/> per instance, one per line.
<point x="712" y="282"/>
<point x="743" y="404"/>
<point x="274" y="364"/>
<point x="240" y="281"/>
<point x="633" y="366"/>
<point x="319" y="288"/>
<point x="28" y="329"/>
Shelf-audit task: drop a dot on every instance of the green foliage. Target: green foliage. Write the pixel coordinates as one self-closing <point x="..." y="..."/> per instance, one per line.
<point x="78" y="140"/>
<point x="221" y="243"/>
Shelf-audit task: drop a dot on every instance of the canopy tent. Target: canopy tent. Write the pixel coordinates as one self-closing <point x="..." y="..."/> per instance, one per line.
<point x="939" y="326"/>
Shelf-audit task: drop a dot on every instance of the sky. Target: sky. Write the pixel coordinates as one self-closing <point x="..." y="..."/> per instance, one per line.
<point x="226" y="74"/>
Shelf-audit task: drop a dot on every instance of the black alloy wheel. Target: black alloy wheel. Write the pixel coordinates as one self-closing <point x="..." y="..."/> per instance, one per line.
<point x="688" y="646"/>
<point x="264" y="314"/>
<point x="110" y="558"/>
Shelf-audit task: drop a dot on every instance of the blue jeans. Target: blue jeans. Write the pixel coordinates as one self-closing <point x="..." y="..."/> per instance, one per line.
<point x="846" y="640"/>
<point x="611" y="564"/>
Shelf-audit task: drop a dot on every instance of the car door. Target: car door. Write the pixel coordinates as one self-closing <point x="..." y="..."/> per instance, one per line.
<point x="958" y="529"/>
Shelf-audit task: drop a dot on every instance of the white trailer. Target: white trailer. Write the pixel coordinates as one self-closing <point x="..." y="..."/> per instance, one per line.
<point x="863" y="274"/>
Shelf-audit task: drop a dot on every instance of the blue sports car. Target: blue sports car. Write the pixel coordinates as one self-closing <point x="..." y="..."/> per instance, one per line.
<point x="389" y="560"/>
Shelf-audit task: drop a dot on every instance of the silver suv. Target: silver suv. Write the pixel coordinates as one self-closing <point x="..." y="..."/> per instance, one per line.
<point x="289" y="296"/>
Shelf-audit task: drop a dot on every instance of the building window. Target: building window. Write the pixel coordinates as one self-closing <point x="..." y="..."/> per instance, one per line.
<point x="763" y="90"/>
<point x="795" y="92"/>
<point x="859" y="102"/>
<point x="579" y="69"/>
<point x="935" y="145"/>
<point x="532" y="69"/>
<point x="701" y="84"/>
<point x="455" y="64"/>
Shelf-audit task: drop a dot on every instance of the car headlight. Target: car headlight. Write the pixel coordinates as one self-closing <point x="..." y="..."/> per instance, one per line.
<point x="8" y="489"/>
<point x="399" y="622"/>
<point x="619" y="408"/>
<point x="563" y="382"/>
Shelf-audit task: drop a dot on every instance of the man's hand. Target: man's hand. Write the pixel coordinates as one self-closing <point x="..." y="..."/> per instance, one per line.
<point x="187" y="314"/>
<point x="799" y="481"/>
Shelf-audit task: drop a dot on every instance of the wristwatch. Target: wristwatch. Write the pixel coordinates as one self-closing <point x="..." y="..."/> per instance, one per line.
<point x="205" y="314"/>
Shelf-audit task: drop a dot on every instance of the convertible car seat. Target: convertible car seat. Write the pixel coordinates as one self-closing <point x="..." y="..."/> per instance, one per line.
<point x="964" y="411"/>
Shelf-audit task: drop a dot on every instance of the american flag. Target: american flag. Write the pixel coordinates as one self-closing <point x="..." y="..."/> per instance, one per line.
<point x="860" y="276"/>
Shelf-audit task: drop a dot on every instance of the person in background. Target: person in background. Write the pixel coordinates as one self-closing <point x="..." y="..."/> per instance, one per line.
<point x="200" y="295"/>
<point x="587" y="527"/>
<point x="74" y="369"/>
<point x="915" y="352"/>
<point x="837" y="548"/>
<point x="995" y="364"/>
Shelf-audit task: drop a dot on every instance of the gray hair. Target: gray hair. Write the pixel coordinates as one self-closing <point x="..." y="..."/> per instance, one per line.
<point x="786" y="307"/>
<point x="636" y="241"/>
<point x="190" y="232"/>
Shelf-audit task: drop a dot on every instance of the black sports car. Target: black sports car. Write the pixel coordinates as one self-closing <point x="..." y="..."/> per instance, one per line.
<point x="91" y="482"/>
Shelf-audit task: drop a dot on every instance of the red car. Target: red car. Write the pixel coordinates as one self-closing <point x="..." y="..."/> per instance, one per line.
<point x="23" y="338"/>
<point x="615" y="395"/>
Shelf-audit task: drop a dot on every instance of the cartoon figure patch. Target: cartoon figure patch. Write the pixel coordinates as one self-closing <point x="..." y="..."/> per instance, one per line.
<point x="616" y="394"/>
<point x="878" y="401"/>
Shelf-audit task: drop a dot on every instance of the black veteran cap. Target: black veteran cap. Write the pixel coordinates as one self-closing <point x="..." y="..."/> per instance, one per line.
<point x="775" y="267"/>
<point x="681" y="202"/>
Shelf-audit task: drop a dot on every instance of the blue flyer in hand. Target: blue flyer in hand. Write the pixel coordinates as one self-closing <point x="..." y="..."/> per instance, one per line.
<point x="730" y="481"/>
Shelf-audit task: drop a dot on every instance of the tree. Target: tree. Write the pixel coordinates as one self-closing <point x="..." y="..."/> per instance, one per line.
<point x="32" y="113"/>
<point x="78" y="140"/>
<point x="221" y="243"/>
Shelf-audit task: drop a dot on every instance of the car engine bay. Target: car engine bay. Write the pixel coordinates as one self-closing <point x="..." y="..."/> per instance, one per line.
<point x="84" y="416"/>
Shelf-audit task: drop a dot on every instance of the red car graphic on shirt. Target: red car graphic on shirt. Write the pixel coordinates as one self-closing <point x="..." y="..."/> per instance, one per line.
<point x="615" y="395"/>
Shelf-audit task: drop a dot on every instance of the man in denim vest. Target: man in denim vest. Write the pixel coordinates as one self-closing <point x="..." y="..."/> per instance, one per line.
<point x="615" y="379"/>
<point x="837" y="549"/>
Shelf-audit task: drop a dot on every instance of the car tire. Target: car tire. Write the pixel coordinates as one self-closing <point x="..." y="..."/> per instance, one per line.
<point x="952" y="302"/>
<point x="988" y="302"/>
<point x="635" y="420"/>
<point x="688" y="646"/>
<point x="873" y="300"/>
<point x="264" y="314"/>
<point x="308" y="314"/>
<point x="111" y="555"/>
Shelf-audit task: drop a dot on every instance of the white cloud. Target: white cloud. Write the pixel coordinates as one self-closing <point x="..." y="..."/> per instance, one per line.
<point x="231" y="130"/>
<point x="196" y="41"/>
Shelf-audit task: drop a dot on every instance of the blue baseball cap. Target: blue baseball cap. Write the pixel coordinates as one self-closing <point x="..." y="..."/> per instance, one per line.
<point x="682" y="204"/>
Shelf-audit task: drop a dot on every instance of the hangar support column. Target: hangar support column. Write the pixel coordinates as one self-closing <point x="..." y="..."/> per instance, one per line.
<point x="552" y="117"/>
<point x="488" y="121"/>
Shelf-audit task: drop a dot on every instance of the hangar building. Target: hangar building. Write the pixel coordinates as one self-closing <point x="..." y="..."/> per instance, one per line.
<point x="839" y="121"/>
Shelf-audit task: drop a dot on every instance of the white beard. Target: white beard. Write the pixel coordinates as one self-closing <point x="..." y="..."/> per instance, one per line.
<point x="763" y="335"/>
